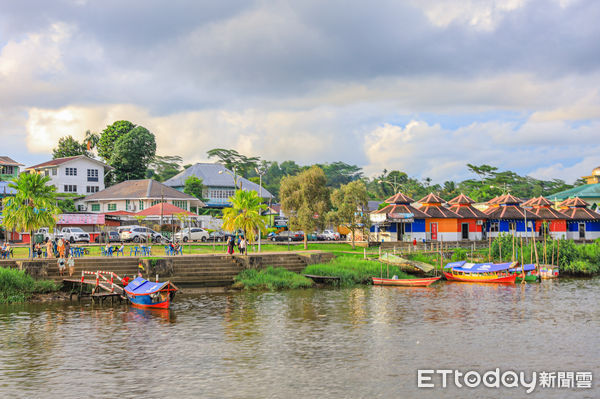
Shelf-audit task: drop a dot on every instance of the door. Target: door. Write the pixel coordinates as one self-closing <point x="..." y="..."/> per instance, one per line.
<point x="465" y="231"/>
<point x="401" y="227"/>
<point x="582" y="231"/>
<point x="433" y="227"/>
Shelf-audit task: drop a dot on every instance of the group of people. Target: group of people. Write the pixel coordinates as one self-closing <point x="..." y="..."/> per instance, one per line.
<point x="238" y="241"/>
<point x="175" y="247"/>
<point x="109" y="248"/>
<point x="64" y="263"/>
<point x="5" y="250"/>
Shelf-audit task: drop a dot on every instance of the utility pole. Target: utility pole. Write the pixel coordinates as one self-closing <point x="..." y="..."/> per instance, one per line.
<point x="260" y="173"/>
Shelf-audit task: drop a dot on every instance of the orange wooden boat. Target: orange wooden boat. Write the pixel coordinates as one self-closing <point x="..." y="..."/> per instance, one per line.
<point x="406" y="282"/>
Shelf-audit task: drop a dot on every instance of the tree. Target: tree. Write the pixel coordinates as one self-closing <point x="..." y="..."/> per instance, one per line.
<point x="305" y="199"/>
<point x="350" y="205"/>
<point x="109" y="137"/>
<point x="66" y="205"/>
<point x="245" y="214"/>
<point x="69" y="147"/>
<point x="339" y="173"/>
<point x="194" y="186"/>
<point x="164" y="167"/>
<point x="91" y="140"/>
<point x="232" y="159"/>
<point x="132" y="153"/>
<point x="32" y="207"/>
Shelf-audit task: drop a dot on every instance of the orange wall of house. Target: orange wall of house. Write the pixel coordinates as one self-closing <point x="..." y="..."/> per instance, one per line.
<point x="473" y="227"/>
<point x="444" y="225"/>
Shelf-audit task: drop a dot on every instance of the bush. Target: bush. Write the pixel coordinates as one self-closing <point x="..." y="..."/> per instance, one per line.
<point x="581" y="267"/>
<point x="17" y="286"/>
<point x="460" y="254"/>
<point x="271" y="279"/>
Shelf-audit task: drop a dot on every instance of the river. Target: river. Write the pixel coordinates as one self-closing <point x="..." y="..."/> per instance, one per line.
<point x="362" y="342"/>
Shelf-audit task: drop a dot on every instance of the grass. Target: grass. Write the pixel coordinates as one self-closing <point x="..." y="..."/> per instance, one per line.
<point x="352" y="271"/>
<point x="17" y="286"/>
<point x="271" y="279"/>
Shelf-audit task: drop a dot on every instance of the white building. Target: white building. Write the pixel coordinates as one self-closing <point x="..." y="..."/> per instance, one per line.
<point x="135" y="196"/>
<point x="80" y="174"/>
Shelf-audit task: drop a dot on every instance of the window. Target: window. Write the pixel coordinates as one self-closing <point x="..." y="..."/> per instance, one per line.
<point x="70" y="188"/>
<point x="141" y="205"/>
<point x="46" y="172"/>
<point x="494" y="227"/>
<point x="54" y="171"/>
<point x="92" y="189"/>
<point x="112" y="207"/>
<point x="71" y="171"/>
<point x="155" y="202"/>
<point x="92" y="175"/>
<point x="180" y="204"/>
<point x="95" y="207"/>
<point x="512" y="226"/>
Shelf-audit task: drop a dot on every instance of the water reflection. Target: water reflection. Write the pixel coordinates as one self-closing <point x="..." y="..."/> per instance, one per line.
<point x="358" y="342"/>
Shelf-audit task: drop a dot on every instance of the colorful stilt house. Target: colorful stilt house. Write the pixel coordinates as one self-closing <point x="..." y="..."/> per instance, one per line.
<point x="552" y="222"/>
<point x="505" y="216"/>
<point x="582" y="223"/>
<point x="398" y="221"/>
<point x="442" y="223"/>
<point x="472" y="226"/>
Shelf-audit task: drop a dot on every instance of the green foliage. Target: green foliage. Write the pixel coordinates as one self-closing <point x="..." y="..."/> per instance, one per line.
<point x="17" y="286"/>
<point x="245" y="214"/>
<point x="340" y="173"/>
<point x="66" y="205"/>
<point x="194" y="186"/>
<point x="305" y="199"/>
<point x="581" y="267"/>
<point x="162" y="168"/>
<point x="271" y="279"/>
<point x="233" y="160"/>
<point x="460" y="254"/>
<point x="132" y="154"/>
<point x="352" y="270"/>
<point x="69" y="147"/>
<point x="350" y="206"/>
<point x="110" y="135"/>
<point x="32" y="207"/>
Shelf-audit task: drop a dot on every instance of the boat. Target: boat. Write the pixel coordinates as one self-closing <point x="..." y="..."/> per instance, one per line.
<point x="480" y="272"/>
<point x="407" y="265"/>
<point x="406" y="282"/>
<point x="548" y="272"/>
<point x="145" y="294"/>
<point x="531" y="273"/>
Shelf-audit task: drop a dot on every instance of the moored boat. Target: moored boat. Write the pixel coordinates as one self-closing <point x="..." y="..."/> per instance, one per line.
<point x="406" y="282"/>
<point x="548" y="272"/>
<point x="145" y="294"/>
<point x="480" y="272"/>
<point x="531" y="273"/>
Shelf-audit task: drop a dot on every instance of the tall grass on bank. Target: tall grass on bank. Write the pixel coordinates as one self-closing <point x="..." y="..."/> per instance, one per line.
<point x="271" y="278"/>
<point x="352" y="271"/>
<point x="17" y="286"/>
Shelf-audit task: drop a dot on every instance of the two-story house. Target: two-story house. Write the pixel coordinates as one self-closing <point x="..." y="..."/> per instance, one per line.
<point x="9" y="169"/>
<point x="219" y="183"/>
<point x="79" y="175"/>
<point x="135" y="196"/>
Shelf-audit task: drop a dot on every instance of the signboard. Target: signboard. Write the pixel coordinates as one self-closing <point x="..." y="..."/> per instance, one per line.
<point x="434" y="231"/>
<point x="401" y="215"/>
<point x="280" y="221"/>
<point x="80" y="218"/>
<point x="378" y="217"/>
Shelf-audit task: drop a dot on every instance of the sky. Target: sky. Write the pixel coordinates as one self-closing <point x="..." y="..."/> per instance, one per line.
<point x="421" y="86"/>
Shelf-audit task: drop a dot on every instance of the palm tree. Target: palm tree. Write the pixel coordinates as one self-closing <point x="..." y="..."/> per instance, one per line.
<point x="91" y="140"/>
<point x="33" y="206"/>
<point x="244" y="214"/>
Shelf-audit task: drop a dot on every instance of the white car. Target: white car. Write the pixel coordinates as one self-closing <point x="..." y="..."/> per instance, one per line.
<point x="330" y="235"/>
<point x="73" y="234"/>
<point x="196" y="234"/>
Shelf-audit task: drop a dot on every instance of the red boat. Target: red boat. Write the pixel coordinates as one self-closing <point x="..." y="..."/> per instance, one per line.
<point x="406" y="282"/>
<point x="481" y="277"/>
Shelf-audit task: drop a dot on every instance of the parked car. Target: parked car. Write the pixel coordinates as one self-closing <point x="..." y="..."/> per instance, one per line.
<point x="73" y="234"/>
<point x="196" y="234"/>
<point x="45" y="231"/>
<point x="217" y="236"/>
<point x="330" y="235"/>
<point x="288" y="236"/>
<point x="140" y="234"/>
<point x="111" y="236"/>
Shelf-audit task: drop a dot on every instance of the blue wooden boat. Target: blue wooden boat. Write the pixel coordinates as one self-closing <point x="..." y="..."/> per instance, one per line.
<point x="145" y="294"/>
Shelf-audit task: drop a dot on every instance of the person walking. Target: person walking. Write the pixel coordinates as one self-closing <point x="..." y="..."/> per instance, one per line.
<point x="61" y="248"/>
<point x="49" y="249"/>
<point x="71" y="265"/>
<point x="67" y="248"/>
<point x="243" y="245"/>
<point x="230" y="244"/>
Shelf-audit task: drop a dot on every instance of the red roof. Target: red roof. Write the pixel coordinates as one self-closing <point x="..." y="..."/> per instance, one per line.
<point x="402" y="208"/>
<point x="573" y="202"/>
<point x="400" y="199"/>
<point x="4" y="160"/>
<point x="431" y="199"/>
<point x="461" y="200"/>
<point x="119" y="213"/>
<point x="167" y="210"/>
<point x="54" y="162"/>
<point x="537" y="202"/>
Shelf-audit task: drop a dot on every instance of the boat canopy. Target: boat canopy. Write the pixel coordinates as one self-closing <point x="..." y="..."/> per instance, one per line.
<point x="141" y="286"/>
<point x="478" y="267"/>
<point x="529" y="267"/>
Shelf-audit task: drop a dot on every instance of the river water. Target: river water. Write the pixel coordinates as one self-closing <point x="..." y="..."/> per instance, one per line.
<point x="360" y="342"/>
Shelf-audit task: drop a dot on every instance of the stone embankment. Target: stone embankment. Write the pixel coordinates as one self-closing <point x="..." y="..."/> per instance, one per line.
<point x="216" y="270"/>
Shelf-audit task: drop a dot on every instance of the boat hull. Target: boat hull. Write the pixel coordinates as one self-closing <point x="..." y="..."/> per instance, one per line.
<point x="145" y="302"/>
<point x="479" y="278"/>
<point x="412" y="282"/>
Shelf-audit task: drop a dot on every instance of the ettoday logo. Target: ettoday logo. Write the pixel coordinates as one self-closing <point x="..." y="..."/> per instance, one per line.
<point x="504" y="379"/>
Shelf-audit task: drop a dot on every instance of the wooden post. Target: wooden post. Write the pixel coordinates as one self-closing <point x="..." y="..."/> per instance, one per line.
<point x="489" y="248"/>
<point x="380" y="250"/>
<point x="364" y="253"/>
<point x="522" y="262"/>
<point x="558" y="255"/>
<point x="500" y="249"/>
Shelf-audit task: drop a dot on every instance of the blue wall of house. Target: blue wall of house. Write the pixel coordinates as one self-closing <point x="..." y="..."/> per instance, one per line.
<point x="418" y="226"/>
<point x="589" y="226"/>
<point x="505" y="224"/>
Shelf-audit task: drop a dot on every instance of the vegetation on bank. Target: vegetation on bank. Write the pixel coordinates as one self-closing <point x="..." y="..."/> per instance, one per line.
<point x="17" y="286"/>
<point x="271" y="278"/>
<point x="352" y="271"/>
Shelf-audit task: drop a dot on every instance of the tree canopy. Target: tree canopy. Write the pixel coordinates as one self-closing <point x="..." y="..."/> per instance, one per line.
<point x="110" y="135"/>
<point x="350" y="206"/>
<point x="194" y="186"/>
<point x="245" y="214"/>
<point x="69" y="147"/>
<point x="162" y="168"/>
<point x="132" y="154"/>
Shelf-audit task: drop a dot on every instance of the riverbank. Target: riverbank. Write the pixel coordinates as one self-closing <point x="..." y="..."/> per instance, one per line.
<point x="18" y="286"/>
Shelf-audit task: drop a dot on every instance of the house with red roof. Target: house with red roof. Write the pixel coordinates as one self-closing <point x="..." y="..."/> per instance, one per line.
<point x="442" y="223"/>
<point x="472" y="225"/>
<point x="79" y="174"/>
<point x="582" y="223"/>
<point x="505" y="215"/>
<point x="551" y="222"/>
<point x="398" y="221"/>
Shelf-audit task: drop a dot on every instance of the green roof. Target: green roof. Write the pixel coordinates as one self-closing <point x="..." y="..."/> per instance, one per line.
<point x="585" y="191"/>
